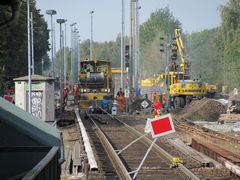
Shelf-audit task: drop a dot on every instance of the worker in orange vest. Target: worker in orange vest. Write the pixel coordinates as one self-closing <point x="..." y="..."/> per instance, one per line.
<point x="75" y="89"/>
<point x="120" y="98"/>
<point x="65" y="92"/>
<point x="68" y="88"/>
<point x="157" y="108"/>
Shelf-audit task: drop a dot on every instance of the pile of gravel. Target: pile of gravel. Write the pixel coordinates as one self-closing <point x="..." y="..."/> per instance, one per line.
<point x="204" y="109"/>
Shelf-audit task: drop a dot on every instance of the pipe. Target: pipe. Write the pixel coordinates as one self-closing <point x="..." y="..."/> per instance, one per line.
<point x="86" y="142"/>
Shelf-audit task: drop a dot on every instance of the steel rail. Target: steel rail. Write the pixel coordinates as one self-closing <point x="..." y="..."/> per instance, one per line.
<point x="117" y="163"/>
<point x="159" y="150"/>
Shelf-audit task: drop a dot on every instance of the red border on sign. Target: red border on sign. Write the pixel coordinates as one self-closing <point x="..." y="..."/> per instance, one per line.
<point x="161" y="126"/>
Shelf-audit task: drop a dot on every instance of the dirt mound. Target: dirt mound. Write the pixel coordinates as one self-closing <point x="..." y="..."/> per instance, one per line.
<point x="204" y="109"/>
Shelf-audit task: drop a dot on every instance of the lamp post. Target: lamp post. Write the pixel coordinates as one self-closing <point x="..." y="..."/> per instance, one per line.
<point x="51" y="13"/>
<point x="29" y="60"/>
<point x="91" y="42"/>
<point x="137" y="51"/>
<point x="61" y="21"/>
<point x="79" y="56"/>
<point x="31" y="17"/>
<point x="75" y="60"/>
<point x="65" y="53"/>
<point x="72" y="52"/>
<point x="122" y="42"/>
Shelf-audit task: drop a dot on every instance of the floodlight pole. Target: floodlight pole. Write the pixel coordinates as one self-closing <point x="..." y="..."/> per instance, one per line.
<point x="29" y="60"/>
<point x="61" y="21"/>
<point x="122" y="42"/>
<point x="32" y="43"/>
<point x="72" y="52"/>
<point x="51" y="13"/>
<point x="91" y="41"/>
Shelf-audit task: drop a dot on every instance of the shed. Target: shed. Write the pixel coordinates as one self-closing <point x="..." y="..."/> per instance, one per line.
<point x="42" y="96"/>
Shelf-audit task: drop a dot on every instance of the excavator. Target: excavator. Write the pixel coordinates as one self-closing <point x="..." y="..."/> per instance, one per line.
<point x="176" y="80"/>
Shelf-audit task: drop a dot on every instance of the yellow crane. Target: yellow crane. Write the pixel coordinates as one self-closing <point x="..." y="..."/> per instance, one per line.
<point x="177" y="81"/>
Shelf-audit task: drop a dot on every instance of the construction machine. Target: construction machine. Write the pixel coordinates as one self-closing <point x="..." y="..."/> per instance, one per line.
<point x="176" y="161"/>
<point x="181" y="89"/>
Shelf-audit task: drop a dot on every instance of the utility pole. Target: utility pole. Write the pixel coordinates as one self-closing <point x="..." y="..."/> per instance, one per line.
<point x="136" y="46"/>
<point x="29" y="60"/>
<point x="123" y="42"/>
<point x="32" y="43"/>
<point x="76" y="55"/>
<point x="61" y="21"/>
<point x="130" y="52"/>
<point x="79" y="56"/>
<point x="65" y="54"/>
<point x="72" y="53"/>
<point x="51" y="13"/>
<point x="91" y="41"/>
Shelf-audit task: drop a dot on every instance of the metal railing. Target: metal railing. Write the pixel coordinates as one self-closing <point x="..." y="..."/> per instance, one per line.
<point x="48" y="168"/>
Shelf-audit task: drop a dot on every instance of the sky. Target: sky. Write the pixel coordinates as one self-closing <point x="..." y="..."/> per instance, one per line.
<point x="195" y="15"/>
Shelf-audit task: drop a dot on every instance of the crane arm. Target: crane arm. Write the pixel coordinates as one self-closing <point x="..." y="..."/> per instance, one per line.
<point x="181" y="49"/>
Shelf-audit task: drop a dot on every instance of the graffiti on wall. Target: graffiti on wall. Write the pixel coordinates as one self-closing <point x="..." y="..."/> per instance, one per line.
<point x="37" y="98"/>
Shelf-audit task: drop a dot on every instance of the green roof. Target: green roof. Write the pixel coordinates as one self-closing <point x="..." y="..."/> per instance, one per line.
<point x="29" y="125"/>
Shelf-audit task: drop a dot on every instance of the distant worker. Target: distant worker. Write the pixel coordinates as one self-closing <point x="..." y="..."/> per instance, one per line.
<point x="120" y="98"/>
<point x="68" y="88"/>
<point x="75" y="89"/>
<point x="157" y="108"/>
<point x="65" y="93"/>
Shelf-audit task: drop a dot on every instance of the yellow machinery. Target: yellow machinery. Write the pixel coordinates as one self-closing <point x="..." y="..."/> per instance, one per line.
<point x="176" y="161"/>
<point x="211" y="88"/>
<point x="180" y="87"/>
<point x="95" y="84"/>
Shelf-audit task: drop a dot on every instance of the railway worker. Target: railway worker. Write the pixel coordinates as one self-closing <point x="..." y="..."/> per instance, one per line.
<point x="157" y="108"/>
<point x="68" y="88"/>
<point x="120" y="98"/>
<point x="65" y="93"/>
<point x="75" y="89"/>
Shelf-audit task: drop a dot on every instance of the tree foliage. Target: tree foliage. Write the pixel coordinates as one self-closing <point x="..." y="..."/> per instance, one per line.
<point x="202" y="51"/>
<point x="14" y="44"/>
<point x="103" y="51"/>
<point x="215" y="53"/>
<point x="230" y="47"/>
<point x="160" y="24"/>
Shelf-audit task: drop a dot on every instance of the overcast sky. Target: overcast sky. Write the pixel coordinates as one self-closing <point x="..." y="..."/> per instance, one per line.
<point x="195" y="15"/>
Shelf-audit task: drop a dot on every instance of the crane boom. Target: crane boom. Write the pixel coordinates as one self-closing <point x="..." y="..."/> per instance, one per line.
<point x="185" y="65"/>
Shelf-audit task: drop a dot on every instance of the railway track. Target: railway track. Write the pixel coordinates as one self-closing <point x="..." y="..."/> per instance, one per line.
<point x="205" y="133"/>
<point x="210" y="144"/>
<point x="200" y="165"/>
<point x="157" y="164"/>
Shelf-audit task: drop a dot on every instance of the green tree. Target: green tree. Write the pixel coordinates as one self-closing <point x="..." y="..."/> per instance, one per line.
<point x="160" y="23"/>
<point x="229" y="46"/>
<point x="13" y="43"/>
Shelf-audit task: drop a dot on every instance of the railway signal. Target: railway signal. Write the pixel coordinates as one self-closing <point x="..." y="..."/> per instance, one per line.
<point x="160" y="126"/>
<point x="127" y="56"/>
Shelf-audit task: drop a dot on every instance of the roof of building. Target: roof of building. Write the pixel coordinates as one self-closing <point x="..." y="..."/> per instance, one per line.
<point x="28" y="124"/>
<point x="34" y="77"/>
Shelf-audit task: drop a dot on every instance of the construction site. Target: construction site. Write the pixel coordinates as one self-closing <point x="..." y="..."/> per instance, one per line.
<point x="161" y="101"/>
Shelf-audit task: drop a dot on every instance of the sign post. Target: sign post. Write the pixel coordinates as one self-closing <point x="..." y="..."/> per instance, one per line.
<point x="159" y="126"/>
<point x="144" y="105"/>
